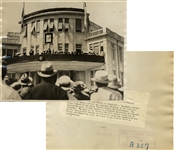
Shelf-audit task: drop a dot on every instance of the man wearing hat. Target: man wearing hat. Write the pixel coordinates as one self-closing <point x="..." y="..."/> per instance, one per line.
<point x="104" y="93"/>
<point x="47" y="90"/>
<point x="26" y="82"/>
<point x="79" y="92"/>
<point x="66" y="84"/>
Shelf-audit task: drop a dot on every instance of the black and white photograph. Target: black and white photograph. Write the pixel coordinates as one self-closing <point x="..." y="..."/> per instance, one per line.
<point x="63" y="51"/>
<point x="86" y="75"/>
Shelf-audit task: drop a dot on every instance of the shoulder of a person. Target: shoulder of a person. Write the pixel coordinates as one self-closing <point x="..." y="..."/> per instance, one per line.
<point x="12" y="94"/>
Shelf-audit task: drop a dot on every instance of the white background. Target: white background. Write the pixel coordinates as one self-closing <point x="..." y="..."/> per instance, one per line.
<point x="150" y="27"/>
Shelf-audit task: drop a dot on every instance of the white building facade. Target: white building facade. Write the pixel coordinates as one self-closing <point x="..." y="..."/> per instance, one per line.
<point x="76" y="46"/>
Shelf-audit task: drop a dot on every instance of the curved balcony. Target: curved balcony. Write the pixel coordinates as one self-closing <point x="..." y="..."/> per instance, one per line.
<point x="59" y="61"/>
<point x="57" y="57"/>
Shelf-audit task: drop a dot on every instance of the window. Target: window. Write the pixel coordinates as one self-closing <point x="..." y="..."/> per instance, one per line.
<point x="101" y="47"/>
<point x="66" y="20"/>
<point x="96" y="48"/>
<point x="78" y="25"/>
<point x="60" y="24"/>
<point x="112" y="50"/>
<point x="66" y="47"/>
<point x="59" y="47"/>
<point x="121" y="53"/>
<point x="91" y="47"/>
<point x="38" y="26"/>
<point x="78" y="48"/>
<point x="3" y="52"/>
<point x="66" y="24"/>
<point x="51" y="25"/>
<point x="9" y="52"/>
<point x="45" y="28"/>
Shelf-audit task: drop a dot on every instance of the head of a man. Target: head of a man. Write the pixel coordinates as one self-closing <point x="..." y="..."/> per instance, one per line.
<point x="47" y="73"/>
<point x="101" y="78"/>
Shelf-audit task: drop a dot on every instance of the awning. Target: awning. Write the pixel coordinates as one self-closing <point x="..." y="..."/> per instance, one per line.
<point x="66" y="25"/>
<point x="60" y="25"/>
<point x="58" y="65"/>
<point x="51" y="25"/>
<point x="45" y="26"/>
<point x="33" y="28"/>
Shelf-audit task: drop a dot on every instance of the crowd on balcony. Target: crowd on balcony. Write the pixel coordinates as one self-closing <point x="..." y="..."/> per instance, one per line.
<point x="52" y="52"/>
<point x="108" y="87"/>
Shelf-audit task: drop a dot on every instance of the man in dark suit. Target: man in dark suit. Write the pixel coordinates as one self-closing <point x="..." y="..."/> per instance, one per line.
<point x="47" y="90"/>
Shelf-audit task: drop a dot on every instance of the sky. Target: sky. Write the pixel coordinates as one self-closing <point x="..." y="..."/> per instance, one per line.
<point x="106" y="14"/>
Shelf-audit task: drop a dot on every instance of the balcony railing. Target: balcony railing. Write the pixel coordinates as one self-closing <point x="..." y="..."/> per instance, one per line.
<point x="57" y="57"/>
<point x="13" y="34"/>
<point x="10" y="41"/>
<point x="97" y="32"/>
<point x="107" y="31"/>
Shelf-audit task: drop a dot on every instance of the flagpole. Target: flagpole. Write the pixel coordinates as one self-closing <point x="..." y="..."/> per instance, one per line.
<point x="22" y="25"/>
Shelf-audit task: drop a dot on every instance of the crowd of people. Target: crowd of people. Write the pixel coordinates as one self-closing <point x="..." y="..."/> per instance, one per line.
<point x="49" y="51"/>
<point x="108" y="87"/>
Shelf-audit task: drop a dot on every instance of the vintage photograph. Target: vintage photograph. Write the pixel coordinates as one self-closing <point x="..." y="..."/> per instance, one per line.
<point x="63" y="51"/>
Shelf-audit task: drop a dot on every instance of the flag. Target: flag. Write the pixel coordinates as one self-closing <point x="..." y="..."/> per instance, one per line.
<point x="86" y="18"/>
<point x="22" y="19"/>
<point x="85" y="15"/>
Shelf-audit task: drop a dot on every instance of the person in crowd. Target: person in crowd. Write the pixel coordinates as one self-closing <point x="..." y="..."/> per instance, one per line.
<point x="6" y="80"/>
<point x="115" y="85"/>
<point x="47" y="90"/>
<point x="49" y="51"/>
<point x="7" y="92"/>
<point x="66" y="84"/>
<point x="25" y="81"/>
<point x="23" y="85"/>
<point x="79" y="92"/>
<point x="9" y="81"/>
<point x="31" y="52"/>
<point x="104" y="93"/>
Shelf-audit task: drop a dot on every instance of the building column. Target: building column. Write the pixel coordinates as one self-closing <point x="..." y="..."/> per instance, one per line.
<point x="106" y="54"/>
<point x="117" y="60"/>
<point x="55" y="35"/>
<point x="41" y="39"/>
<point x="28" y="38"/>
<point x="88" y="79"/>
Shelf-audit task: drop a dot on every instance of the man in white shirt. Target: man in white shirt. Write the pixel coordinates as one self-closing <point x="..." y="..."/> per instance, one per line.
<point x="104" y="93"/>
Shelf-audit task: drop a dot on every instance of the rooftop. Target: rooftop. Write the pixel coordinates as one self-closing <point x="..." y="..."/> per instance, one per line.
<point x="54" y="10"/>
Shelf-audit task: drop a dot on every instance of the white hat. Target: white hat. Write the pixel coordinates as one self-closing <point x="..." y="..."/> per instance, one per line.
<point x="65" y="82"/>
<point x="25" y="79"/>
<point x="101" y="76"/>
<point x="46" y="70"/>
<point x="115" y="82"/>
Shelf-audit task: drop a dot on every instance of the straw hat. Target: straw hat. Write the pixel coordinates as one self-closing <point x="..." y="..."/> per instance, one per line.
<point x="25" y="79"/>
<point x="79" y="86"/>
<point x="115" y="82"/>
<point x="65" y="82"/>
<point x="101" y="76"/>
<point x="46" y="70"/>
